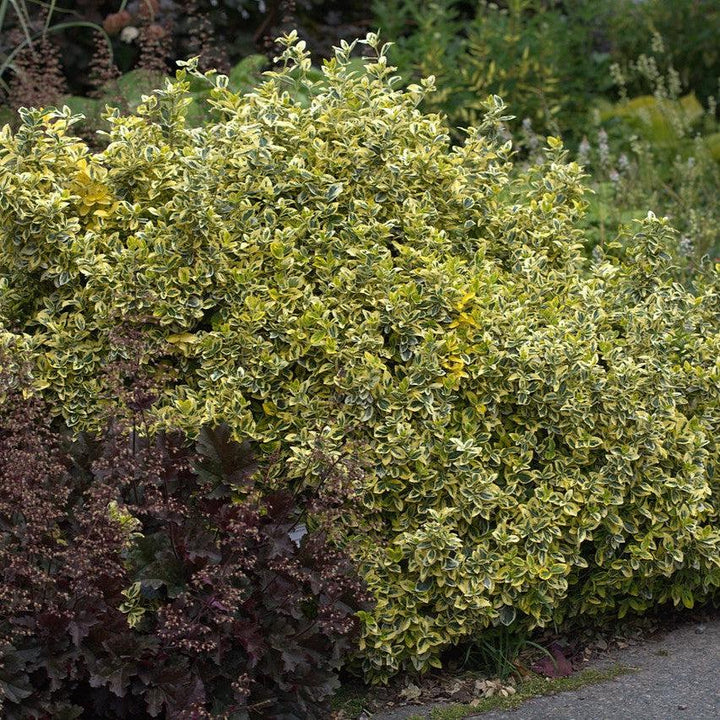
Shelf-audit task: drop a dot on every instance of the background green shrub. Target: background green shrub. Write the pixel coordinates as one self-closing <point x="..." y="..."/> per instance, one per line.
<point x="539" y="435"/>
<point x="655" y="151"/>
<point x="540" y="57"/>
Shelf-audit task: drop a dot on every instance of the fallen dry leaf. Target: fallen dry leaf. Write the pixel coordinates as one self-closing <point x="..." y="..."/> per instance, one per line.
<point x="411" y="692"/>
<point x="489" y="688"/>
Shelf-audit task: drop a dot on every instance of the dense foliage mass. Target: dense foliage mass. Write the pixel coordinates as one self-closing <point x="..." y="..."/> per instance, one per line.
<point x="157" y="579"/>
<point x="539" y="435"/>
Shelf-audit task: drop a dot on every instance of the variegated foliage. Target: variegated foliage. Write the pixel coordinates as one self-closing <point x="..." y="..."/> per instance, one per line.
<point x="539" y="436"/>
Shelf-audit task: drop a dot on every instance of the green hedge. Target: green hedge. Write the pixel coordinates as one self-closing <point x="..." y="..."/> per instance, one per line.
<point x="539" y="436"/>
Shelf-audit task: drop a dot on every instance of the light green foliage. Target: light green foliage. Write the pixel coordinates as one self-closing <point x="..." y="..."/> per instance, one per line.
<point x="662" y="120"/>
<point x="540" y="441"/>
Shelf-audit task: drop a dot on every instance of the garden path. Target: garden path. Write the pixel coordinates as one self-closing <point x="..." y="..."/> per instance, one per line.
<point x="675" y="677"/>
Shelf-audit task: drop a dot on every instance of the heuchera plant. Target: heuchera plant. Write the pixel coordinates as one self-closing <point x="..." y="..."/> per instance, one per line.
<point x="156" y="579"/>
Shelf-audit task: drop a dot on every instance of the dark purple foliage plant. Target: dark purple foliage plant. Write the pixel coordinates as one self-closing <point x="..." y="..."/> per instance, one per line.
<point x="156" y="577"/>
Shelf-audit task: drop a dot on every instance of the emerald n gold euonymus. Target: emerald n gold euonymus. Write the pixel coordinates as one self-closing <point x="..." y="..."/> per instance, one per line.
<point x="539" y="435"/>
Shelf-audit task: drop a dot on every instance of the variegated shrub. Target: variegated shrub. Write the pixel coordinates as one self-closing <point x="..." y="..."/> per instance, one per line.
<point x="539" y="436"/>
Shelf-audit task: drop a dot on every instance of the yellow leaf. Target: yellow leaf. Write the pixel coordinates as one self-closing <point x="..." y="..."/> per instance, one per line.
<point x="183" y="339"/>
